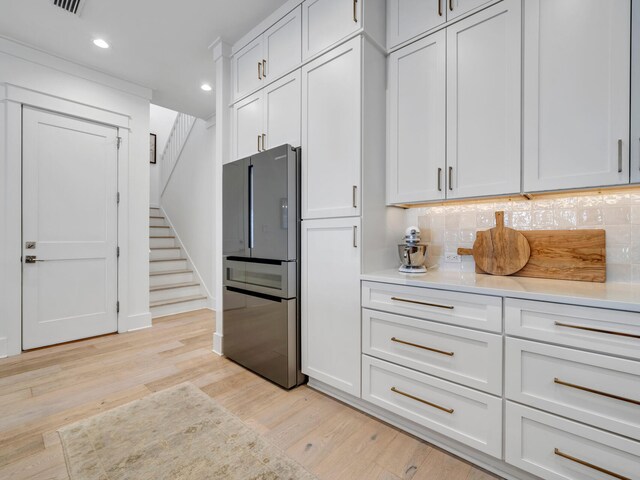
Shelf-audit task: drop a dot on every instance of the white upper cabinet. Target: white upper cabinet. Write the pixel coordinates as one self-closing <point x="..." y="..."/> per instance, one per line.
<point x="325" y="22"/>
<point x="282" y="46"/>
<point x="330" y="313"/>
<point x="331" y="133"/>
<point x="635" y="92"/>
<point x="247" y="126"/>
<point x="269" y="56"/>
<point x="576" y="93"/>
<point x="455" y="8"/>
<point x="268" y="118"/>
<point x="246" y="69"/>
<point x="282" y="111"/>
<point x="483" y="102"/>
<point x="409" y="18"/>
<point x="417" y="112"/>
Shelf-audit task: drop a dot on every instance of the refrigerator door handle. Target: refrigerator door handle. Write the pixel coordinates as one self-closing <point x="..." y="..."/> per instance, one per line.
<point x="251" y="219"/>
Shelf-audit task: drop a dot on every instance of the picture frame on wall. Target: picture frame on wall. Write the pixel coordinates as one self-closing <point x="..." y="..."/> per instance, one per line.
<point x="152" y="148"/>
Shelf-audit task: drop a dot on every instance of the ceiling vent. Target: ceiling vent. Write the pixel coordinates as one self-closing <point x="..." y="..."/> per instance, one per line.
<point x="71" y="6"/>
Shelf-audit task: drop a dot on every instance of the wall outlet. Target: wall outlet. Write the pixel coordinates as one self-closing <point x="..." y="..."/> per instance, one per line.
<point x="452" y="258"/>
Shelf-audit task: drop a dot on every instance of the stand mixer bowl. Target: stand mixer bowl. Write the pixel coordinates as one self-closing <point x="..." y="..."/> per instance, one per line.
<point x="412" y="257"/>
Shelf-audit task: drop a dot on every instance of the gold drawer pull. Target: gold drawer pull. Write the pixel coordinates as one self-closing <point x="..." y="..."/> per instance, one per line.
<point x="444" y="409"/>
<point x="448" y="307"/>
<point x="599" y="330"/>
<point x="597" y="392"/>
<point x="394" y="339"/>
<point x="589" y="465"/>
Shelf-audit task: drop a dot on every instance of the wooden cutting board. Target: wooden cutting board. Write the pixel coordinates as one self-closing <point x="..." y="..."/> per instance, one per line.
<point x="565" y="255"/>
<point x="500" y="250"/>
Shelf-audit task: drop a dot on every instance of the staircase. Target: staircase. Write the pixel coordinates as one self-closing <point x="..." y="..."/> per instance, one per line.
<point x="173" y="287"/>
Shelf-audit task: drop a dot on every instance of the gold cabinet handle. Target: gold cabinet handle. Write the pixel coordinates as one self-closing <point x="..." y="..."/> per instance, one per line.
<point x="259" y="137"/>
<point x="597" y="330"/>
<point x="355" y="11"/>
<point x="355" y="196"/>
<point x="355" y="236"/>
<point x="620" y="156"/>
<point x="264" y="138"/>
<point x="426" y="304"/>
<point x="439" y="8"/>
<point x="442" y="352"/>
<point x="596" y="392"/>
<point x="590" y="465"/>
<point x="439" y="179"/>
<point x="259" y="71"/>
<point x="417" y="399"/>
<point x="451" y="5"/>
<point x="450" y="178"/>
<point x="264" y="68"/>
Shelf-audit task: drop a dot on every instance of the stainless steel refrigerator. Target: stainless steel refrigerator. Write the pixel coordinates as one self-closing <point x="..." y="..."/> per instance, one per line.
<point x="261" y="248"/>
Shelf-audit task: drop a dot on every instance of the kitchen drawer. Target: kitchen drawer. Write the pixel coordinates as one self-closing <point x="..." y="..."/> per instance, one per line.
<point x="462" y="414"/>
<point x="458" y="354"/>
<point x="555" y="378"/>
<point x="463" y="309"/>
<point x="601" y="330"/>
<point x="557" y="449"/>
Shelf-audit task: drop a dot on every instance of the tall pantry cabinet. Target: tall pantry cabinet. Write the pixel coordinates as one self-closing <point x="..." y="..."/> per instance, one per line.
<point x="344" y="218"/>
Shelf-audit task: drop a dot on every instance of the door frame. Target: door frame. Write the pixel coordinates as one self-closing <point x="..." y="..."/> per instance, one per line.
<point x="12" y="100"/>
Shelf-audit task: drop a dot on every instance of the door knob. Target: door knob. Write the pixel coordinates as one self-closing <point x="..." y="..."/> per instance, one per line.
<point x="30" y="259"/>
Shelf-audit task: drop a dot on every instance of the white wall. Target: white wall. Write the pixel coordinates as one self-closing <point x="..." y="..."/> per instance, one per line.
<point x="66" y="83"/>
<point x="189" y="201"/>
<point x="160" y="122"/>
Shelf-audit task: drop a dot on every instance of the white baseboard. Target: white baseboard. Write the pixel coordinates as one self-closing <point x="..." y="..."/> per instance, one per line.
<point x="469" y="454"/>
<point x="4" y="351"/>
<point x="137" y="322"/>
<point x="217" y="343"/>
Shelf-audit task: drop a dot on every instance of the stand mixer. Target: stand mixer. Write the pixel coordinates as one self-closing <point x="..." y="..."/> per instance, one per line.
<point x="412" y="253"/>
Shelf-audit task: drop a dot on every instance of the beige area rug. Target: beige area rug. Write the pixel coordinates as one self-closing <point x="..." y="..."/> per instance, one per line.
<point x="178" y="434"/>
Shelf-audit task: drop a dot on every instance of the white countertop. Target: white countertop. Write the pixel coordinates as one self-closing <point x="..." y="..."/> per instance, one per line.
<point x="617" y="296"/>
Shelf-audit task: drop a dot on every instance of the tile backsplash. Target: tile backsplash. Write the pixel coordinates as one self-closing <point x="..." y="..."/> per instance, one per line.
<point x="447" y="227"/>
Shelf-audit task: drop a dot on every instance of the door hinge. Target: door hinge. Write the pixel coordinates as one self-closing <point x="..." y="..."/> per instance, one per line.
<point x="118" y="252"/>
<point x="118" y="198"/>
<point x="118" y="307"/>
<point x="119" y="142"/>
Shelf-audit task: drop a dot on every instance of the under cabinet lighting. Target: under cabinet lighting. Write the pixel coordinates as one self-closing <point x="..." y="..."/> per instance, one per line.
<point x="206" y="87"/>
<point x="98" y="42"/>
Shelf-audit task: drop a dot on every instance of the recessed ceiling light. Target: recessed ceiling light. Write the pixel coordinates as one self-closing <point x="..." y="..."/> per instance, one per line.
<point x="206" y="87"/>
<point x="98" y="42"/>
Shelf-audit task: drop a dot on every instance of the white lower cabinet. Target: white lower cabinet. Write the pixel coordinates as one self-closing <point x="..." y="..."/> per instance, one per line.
<point x="466" y="415"/>
<point x="554" y="448"/>
<point x="600" y="390"/>
<point x="461" y="355"/>
<point x="331" y="302"/>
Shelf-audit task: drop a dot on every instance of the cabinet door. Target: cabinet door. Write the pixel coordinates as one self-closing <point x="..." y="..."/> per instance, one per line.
<point x="247" y="127"/>
<point x="576" y="93"/>
<point x="282" y="45"/>
<point x="331" y="133"/>
<point x="408" y="18"/>
<point x="483" y="102"/>
<point x="331" y="302"/>
<point x="282" y="111"/>
<point x="635" y="98"/>
<point x="325" y="22"/>
<point x="246" y="69"/>
<point x="417" y="113"/>
<point x="455" y="8"/>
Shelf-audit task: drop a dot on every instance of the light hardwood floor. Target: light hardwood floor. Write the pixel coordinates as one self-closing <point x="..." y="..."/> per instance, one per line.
<point x="43" y="390"/>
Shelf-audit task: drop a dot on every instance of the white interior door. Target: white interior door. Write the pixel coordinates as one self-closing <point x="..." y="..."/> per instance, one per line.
<point x="70" y="211"/>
